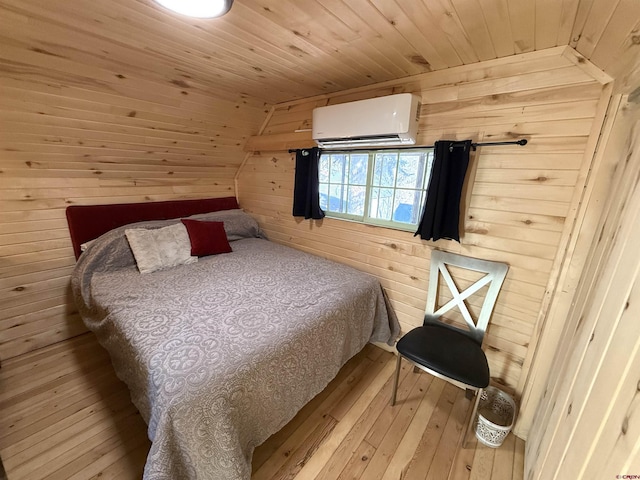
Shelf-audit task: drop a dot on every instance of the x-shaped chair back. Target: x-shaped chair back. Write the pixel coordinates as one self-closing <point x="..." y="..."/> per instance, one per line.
<point x="495" y="273"/>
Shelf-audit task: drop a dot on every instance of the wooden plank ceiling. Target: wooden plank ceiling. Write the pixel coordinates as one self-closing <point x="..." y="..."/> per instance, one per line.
<point x="271" y="51"/>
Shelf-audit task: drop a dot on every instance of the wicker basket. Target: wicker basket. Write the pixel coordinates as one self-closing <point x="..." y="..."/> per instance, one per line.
<point x="496" y="414"/>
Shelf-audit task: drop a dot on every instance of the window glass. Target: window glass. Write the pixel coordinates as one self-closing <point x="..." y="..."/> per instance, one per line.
<point x="383" y="187"/>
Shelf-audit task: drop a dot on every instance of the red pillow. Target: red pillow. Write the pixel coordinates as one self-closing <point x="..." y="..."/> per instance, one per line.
<point x="207" y="238"/>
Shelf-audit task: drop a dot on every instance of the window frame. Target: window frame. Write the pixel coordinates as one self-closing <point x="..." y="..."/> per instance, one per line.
<point x="366" y="218"/>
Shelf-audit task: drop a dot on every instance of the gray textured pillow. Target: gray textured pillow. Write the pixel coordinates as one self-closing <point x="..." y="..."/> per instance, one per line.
<point x="237" y="223"/>
<point x="160" y="248"/>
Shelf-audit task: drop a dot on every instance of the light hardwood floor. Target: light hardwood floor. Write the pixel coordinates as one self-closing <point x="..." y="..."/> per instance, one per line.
<point x="64" y="415"/>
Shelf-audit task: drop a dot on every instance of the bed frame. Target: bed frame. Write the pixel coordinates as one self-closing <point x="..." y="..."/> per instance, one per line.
<point x="87" y="222"/>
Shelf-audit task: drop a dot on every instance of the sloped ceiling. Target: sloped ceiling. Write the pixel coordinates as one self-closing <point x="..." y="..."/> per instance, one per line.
<point x="270" y="51"/>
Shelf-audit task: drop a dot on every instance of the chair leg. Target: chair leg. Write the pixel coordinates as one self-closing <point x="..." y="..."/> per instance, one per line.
<point x="472" y="418"/>
<point x="395" y="381"/>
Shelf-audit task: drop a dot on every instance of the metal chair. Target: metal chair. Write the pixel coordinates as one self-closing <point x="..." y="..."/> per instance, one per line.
<point x="447" y="351"/>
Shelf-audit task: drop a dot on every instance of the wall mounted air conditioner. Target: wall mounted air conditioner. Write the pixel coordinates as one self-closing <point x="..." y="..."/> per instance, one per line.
<point x="375" y="122"/>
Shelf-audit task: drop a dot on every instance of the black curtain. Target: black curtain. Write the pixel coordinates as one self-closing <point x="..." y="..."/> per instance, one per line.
<point x="441" y="215"/>
<point x="306" y="195"/>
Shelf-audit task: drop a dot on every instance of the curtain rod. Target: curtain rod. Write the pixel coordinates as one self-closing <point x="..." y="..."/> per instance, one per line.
<point x="522" y="142"/>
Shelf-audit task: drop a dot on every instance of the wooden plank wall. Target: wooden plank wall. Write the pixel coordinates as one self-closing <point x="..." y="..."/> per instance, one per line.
<point x="520" y="208"/>
<point x="573" y="272"/>
<point x="587" y="425"/>
<point x="75" y="134"/>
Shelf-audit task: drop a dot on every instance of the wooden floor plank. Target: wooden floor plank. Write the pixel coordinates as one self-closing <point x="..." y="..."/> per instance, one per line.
<point x="402" y="415"/>
<point x="94" y="464"/>
<point x="424" y="454"/>
<point x="482" y="463"/>
<point x="358" y="462"/>
<point x="407" y="446"/>
<point x="451" y="437"/>
<point x="31" y="418"/>
<point x="368" y="405"/>
<point x="340" y="410"/>
<point x="297" y="459"/>
<point x="463" y="460"/>
<point x="54" y="453"/>
<point x="23" y="363"/>
<point x="125" y="465"/>
<point x="518" y="459"/>
<point x="78" y="422"/>
<point x="503" y="460"/>
<point x="356" y="434"/>
<point x="97" y="451"/>
<point x="406" y="400"/>
<point x="59" y="431"/>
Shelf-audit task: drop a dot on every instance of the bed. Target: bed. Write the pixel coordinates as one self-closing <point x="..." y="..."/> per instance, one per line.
<point x="218" y="353"/>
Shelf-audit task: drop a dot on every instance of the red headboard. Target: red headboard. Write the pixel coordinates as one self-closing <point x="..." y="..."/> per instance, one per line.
<point x="87" y="222"/>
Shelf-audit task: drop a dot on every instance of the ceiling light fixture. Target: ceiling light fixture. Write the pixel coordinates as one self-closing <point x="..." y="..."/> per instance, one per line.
<point x="198" y="8"/>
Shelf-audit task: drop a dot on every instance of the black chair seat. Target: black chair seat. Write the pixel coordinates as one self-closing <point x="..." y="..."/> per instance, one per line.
<point x="447" y="352"/>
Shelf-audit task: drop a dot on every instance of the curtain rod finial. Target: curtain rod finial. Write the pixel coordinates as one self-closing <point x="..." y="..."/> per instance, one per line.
<point x="522" y="141"/>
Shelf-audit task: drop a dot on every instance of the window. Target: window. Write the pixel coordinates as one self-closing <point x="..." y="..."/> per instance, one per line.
<point x="377" y="187"/>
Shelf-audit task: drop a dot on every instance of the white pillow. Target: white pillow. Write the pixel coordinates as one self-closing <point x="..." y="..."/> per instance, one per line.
<point x="160" y="248"/>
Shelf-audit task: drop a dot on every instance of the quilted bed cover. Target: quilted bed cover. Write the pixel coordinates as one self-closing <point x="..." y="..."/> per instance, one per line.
<point x="220" y="354"/>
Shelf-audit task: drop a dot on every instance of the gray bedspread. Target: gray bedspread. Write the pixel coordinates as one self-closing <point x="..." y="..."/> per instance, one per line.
<point x="220" y="354"/>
